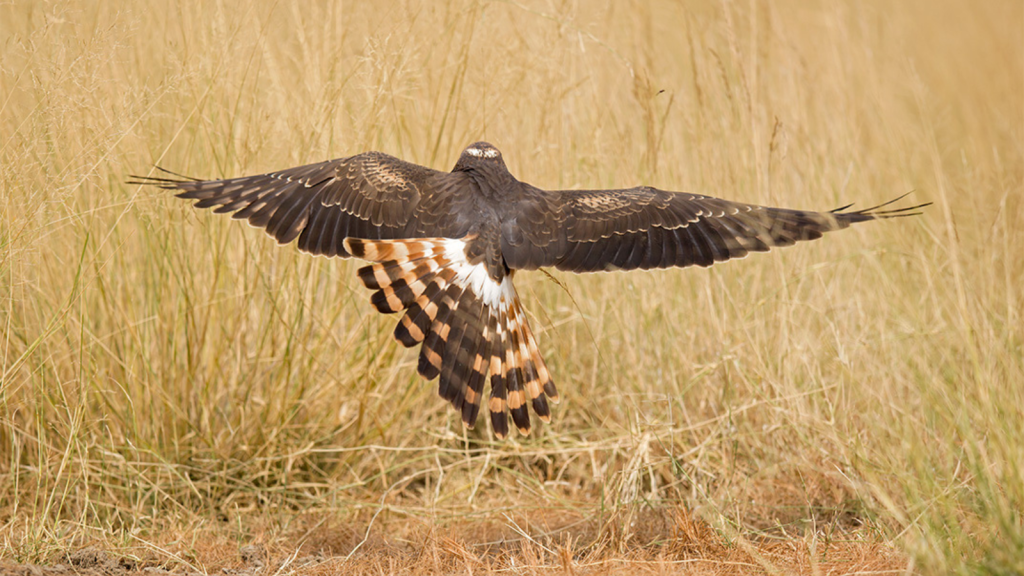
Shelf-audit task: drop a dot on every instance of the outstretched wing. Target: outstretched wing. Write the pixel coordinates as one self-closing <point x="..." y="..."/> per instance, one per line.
<point x="593" y="230"/>
<point x="370" y="195"/>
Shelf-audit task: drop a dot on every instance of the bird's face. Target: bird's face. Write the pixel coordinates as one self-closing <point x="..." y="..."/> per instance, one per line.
<point x="479" y="155"/>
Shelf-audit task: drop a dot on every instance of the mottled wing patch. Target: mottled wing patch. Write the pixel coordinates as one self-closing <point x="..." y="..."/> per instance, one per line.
<point x="604" y="202"/>
<point x="470" y="327"/>
<point x="377" y="187"/>
<point x="613" y="203"/>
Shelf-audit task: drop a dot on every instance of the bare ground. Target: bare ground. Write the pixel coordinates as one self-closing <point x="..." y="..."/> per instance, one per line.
<point x="655" y="543"/>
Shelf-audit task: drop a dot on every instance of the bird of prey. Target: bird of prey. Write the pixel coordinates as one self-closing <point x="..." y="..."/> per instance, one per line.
<point x="444" y="248"/>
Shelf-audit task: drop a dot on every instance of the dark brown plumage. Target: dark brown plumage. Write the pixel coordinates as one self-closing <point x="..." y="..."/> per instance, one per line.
<point x="444" y="247"/>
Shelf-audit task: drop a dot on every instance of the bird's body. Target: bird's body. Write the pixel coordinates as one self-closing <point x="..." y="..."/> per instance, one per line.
<point x="446" y="245"/>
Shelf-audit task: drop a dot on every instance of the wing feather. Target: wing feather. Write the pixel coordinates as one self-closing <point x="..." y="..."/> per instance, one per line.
<point x="594" y="230"/>
<point x="656" y="245"/>
<point x="370" y="195"/>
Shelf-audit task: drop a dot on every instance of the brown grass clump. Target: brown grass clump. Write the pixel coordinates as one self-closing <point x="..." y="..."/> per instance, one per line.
<point x="174" y="387"/>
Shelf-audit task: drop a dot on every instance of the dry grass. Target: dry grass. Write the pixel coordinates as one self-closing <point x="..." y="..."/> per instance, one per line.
<point x="175" y="382"/>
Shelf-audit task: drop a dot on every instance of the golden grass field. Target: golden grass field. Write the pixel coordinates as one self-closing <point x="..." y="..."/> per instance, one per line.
<point x="176" y="387"/>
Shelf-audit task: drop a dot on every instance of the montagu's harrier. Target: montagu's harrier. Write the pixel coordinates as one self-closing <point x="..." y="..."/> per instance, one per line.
<point x="445" y="246"/>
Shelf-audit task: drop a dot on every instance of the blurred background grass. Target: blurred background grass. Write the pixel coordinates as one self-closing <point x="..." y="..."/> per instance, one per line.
<point x="163" y="367"/>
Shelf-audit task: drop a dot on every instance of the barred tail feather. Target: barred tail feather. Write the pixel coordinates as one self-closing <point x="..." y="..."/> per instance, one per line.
<point x="498" y="402"/>
<point x="546" y="384"/>
<point x="414" y="326"/>
<point x="537" y="384"/>
<point x="436" y="313"/>
<point x="471" y="327"/>
<point x="476" y="379"/>
<point x="436" y="345"/>
<point x="514" y="382"/>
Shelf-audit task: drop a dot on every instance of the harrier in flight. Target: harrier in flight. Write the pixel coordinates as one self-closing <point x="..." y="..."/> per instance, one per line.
<point x="445" y="246"/>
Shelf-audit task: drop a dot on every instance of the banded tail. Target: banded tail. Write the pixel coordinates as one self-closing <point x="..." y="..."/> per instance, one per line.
<point x="472" y="327"/>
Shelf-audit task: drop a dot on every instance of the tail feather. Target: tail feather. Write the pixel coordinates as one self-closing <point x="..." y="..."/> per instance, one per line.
<point x="498" y="403"/>
<point x="476" y="379"/>
<point x="543" y="375"/>
<point x="403" y="283"/>
<point x="460" y="357"/>
<point x="538" y="382"/>
<point x="434" y="346"/>
<point x="415" y="325"/>
<point x="471" y="326"/>
<point x="515" y="380"/>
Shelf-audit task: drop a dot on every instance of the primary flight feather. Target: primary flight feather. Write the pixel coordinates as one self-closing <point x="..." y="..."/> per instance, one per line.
<point x="445" y="246"/>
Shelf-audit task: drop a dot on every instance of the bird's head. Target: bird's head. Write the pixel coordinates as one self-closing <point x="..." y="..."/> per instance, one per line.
<point x="479" y="155"/>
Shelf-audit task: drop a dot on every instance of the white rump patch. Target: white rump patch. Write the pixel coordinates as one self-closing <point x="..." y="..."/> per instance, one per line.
<point x="475" y="277"/>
